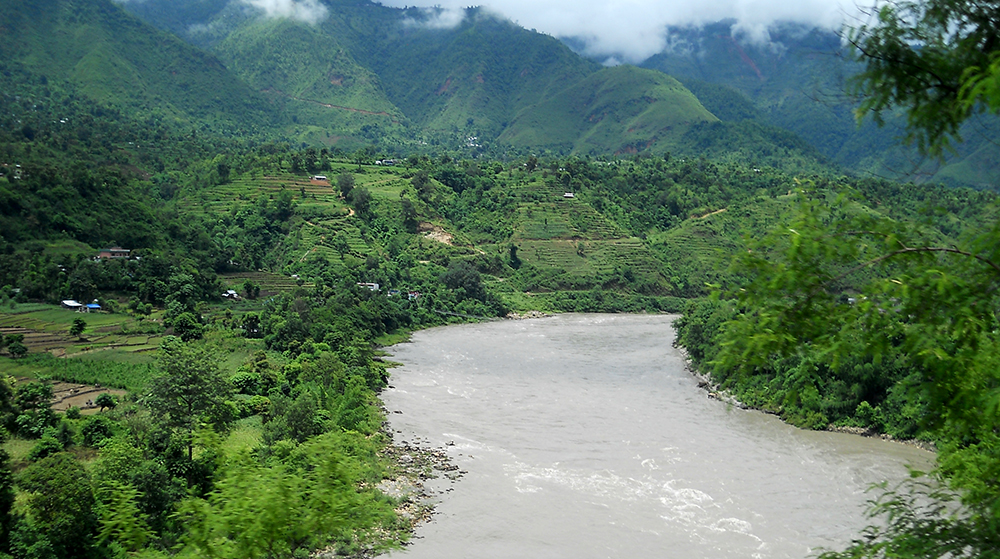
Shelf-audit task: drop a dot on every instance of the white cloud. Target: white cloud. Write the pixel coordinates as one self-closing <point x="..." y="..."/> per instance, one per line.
<point x="632" y="30"/>
<point x="309" y="11"/>
<point x="437" y="18"/>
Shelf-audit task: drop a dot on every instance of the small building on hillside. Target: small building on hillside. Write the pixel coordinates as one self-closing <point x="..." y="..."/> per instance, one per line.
<point x="568" y="195"/>
<point x="113" y="252"/>
<point x="71" y="304"/>
<point x="93" y="307"/>
<point x="230" y="294"/>
<point x="372" y="286"/>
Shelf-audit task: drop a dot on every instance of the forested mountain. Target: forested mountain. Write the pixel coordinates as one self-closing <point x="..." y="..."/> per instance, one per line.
<point x="362" y="73"/>
<point x="114" y="59"/>
<point x="797" y="80"/>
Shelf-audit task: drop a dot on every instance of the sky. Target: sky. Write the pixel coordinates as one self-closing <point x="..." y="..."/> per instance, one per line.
<point x="633" y="30"/>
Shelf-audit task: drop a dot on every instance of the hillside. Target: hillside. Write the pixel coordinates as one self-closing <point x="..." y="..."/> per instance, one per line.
<point x="326" y="96"/>
<point x="797" y="82"/>
<point x="466" y="81"/>
<point x="116" y="60"/>
<point x="616" y="110"/>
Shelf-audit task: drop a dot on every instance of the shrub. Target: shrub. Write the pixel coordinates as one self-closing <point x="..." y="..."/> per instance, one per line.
<point x="46" y="446"/>
<point x="96" y="430"/>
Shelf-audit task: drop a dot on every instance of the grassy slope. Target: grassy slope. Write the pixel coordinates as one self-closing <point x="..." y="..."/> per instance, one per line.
<point x="474" y="78"/>
<point x="306" y="69"/>
<point x="620" y="109"/>
<point x="117" y="60"/>
<point x="565" y="239"/>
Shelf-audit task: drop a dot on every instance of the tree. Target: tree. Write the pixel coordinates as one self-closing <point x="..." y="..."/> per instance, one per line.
<point x="280" y="511"/>
<point x="250" y="289"/>
<point x="6" y="495"/>
<point x="463" y="275"/>
<point x="15" y="345"/>
<point x="361" y="199"/>
<point x="187" y="327"/>
<point x="105" y="401"/>
<point x="532" y="163"/>
<point x="937" y="59"/>
<point x="838" y="284"/>
<point x="190" y="391"/>
<point x="121" y="519"/>
<point x="60" y="502"/>
<point x="409" y="215"/>
<point x="32" y="404"/>
<point x="79" y="325"/>
<point x="421" y="182"/>
<point x="345" y="182"/>
<point x="96" y="430"/>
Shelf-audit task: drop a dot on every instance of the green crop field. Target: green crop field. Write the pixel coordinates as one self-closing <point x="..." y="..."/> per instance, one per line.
<point x="270" y="284"/>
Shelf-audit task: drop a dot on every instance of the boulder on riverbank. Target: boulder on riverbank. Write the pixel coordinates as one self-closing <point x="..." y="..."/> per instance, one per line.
<point x="527" y="315"/>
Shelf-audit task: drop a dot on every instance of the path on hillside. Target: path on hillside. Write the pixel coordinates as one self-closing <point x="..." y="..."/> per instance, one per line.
<point x="329" y="106"/>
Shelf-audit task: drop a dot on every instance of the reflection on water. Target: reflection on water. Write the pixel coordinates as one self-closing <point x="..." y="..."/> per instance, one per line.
<point x="584" y="436"/>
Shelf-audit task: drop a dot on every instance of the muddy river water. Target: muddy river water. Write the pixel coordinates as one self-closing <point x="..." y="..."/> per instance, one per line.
<point x="584" y="436"/>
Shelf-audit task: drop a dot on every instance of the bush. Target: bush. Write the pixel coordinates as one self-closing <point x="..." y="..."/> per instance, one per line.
<point x="32" y="425"/>
<point x="244" y="382"/>
<point x="96" y="431"/>
<point x="46" y="446"/>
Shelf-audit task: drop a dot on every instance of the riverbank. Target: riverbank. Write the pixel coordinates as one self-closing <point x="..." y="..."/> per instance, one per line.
<point x="715" y="392"/>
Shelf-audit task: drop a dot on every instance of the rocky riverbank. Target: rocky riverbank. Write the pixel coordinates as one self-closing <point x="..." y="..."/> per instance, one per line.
<point x="412" y="465"/>
<point x="527" y="315"/>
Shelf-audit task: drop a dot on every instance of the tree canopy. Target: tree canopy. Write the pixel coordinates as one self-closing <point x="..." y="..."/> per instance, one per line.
<point x="935" y="59"/>
<point x="850" y="314"/>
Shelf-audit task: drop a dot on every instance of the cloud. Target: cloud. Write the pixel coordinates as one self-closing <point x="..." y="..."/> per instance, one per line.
<point x="633" y="30"/>
<point x="436" y="18"/>
<point x="308" y="11"/>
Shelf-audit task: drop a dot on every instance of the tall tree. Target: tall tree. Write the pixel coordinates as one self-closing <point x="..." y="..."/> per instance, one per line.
<point x="190" y="392"/>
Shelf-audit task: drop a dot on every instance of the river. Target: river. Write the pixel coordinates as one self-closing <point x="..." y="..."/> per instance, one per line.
<point x="584" y="436"/>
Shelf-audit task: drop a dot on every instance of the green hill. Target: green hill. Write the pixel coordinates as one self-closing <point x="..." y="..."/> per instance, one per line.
<point x="615" y="110"/>
<point x="327" y="96"/>
<point x="473" y="79"/>
<point x="369" y="74"/>
<point x="796" y="82"/>
<point x="117" y="60"/>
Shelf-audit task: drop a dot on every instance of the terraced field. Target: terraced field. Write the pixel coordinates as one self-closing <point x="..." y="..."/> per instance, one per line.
<point x="270" y="284"/>
<point x="220" y="198"/>
<point x="580" y="257"/>
<point x="46" y="329"/>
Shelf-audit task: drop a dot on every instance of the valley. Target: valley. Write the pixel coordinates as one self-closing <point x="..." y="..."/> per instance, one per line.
<point x="258" y="206"/>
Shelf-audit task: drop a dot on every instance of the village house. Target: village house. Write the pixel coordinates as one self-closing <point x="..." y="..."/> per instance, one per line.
<point x="113" y="252"/>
